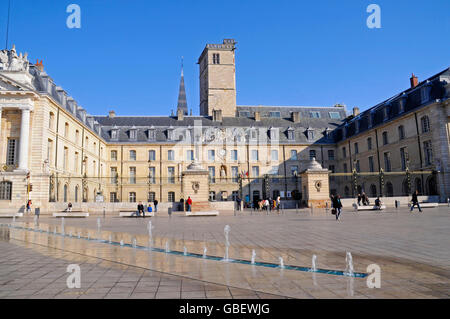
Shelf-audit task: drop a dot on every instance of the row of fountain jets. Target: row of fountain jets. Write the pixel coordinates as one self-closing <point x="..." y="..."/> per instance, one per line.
<point x="348" y="259"/>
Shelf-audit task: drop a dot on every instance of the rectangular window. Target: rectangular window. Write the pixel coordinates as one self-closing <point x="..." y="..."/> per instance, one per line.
<point x="216" y="58"/>
<point x="312" y="154"/>
<point x="212" y="174"/>
<point x="314" y="114"/>
<point x="114" y="134"/>
<point x="151" y="135"/>
<point x="274" y="155"/>
<point x="113" y="197"/>
<point x="132" y="155"/>
<point x="331" y="155"/>
<point x="151" y="175"/>
<point x="244" y="114"/>
<point x="290" y="135"/>
<point x="428" y="151"/>
<point x="65" y="157"/>
<point x="345" y="167"/>
<point x="234" y="155"/>
<point x="344" y="152"/>
<point x="211" y="155"/>
<point x="170" y="155"/>
<point x="293" y="155"/>
<point x="66" y="130"/>
<point x="403" y="154"/>
<point x="335" y="115"/>
<point x="132" y="197"/>
<point x="151" y="155"/>
<point x="356" y="148"/>
<point x="12" y="150"/>
<point x="151" y="197"/>
<point x="274" y="114"/>
<point x="371" y="167"/>
<point x="255" y="172"/>
<point x="369" y="143"/>
<point x="171" y="175"/>
<point x="189" y="155"/>
<point x="133" y="134"/>
<point x="75" y="164"/>
<point x="171" y="197"/>
<point x="113" y="155"/>
<point x="234" y="174"/>
<point x="358" y="168"/>
<point x="132" y="175"/>
<point x="385" y="138"/>
<point x="255" y="156"/>
<point x="113" y="175"/>
<point x="294" y="172"/>
<point x="387" y="162"/>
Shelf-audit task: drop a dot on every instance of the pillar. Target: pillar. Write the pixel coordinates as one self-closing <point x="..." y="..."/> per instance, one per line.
<point x="24" y="139"/>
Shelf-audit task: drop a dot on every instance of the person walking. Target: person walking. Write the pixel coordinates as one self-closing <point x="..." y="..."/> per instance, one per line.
<point x="337" y="205"/>
<point x="359" y="199"/>
<point x="189" y="203"/>
<point x="278" y="204"/>
<point x="155" y="202"/>
<point x="238" y="202"/>
<point x="415" y="201"/>
<point x="29" y="206"/>
<point x="140" y="209"/>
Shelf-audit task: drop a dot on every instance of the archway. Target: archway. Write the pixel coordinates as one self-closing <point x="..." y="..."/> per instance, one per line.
<point x="432" y="185"/>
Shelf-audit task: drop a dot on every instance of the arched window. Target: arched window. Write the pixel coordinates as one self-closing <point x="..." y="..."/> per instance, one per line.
<point x="5" y="190"/>
<point x="346" y="191"/>
<point x="432" y="185"/>
<point x="76" y="194"/>
<point x="212" y="195"/>
<point x="65" y="193"/>
<point x="425" y="121"/>
<point x="389" y="189"/>
<point x="373" y="190"/>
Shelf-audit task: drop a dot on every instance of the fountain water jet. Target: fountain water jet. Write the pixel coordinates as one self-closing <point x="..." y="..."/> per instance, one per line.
<point x="134" y="242"/>
<point x="99" y="224"/>
<point x="167" y="247"/>
<point x="150" y="234"/>
<point x="204" y="251"/>
<point x="185" y="251"/>
<point x="110" y="239"/>
<point x="121" y="242"/>
<point x="314" y="264"/>
<point x="281" y="262"/>
<point x="226" y="230"/>
<point x="62" y="226"/>
<point x="349" y="271"/>
<point x="253" y="256"/>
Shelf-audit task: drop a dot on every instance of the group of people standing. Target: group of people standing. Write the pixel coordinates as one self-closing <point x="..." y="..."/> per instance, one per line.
<point x="364" y="199"/>
<point x="267" y="204"/>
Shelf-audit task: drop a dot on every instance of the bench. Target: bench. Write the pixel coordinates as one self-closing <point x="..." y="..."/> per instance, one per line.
<point x="11" y="215"/>
<point x="204" y="213"/>
<point x="426" y="205"/>
<point x="132" y="213"/>
<point x="369" y="207"/>
<point x="72" y="214"/>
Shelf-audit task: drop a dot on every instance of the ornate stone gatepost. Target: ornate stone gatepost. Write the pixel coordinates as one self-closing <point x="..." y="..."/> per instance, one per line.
<point x="195" y="185"/>
<point x="315" y="185"/>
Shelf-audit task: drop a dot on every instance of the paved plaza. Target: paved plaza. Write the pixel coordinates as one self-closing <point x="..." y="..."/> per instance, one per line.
<point x="410" y="248"/>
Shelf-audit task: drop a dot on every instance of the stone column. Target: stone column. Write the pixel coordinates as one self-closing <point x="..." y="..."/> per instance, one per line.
<point x="24" y="139"/>
<point x="0" y="122"/>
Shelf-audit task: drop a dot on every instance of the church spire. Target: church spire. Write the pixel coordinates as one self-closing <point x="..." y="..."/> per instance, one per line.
<point x="182" y="103"/>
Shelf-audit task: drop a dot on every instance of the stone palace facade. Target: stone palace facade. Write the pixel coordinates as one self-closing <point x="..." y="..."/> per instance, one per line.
<point x="53" y="151"/>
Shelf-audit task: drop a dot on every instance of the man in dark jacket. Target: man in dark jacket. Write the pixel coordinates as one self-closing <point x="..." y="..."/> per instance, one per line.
<point x="155" y="202"/>
<point x="140" y="209"/>
<point x="337" y="205"/>
<point x="415" y="201"/>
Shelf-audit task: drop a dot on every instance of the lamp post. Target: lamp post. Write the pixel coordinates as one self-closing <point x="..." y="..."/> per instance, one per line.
<point x="381" y="182"/>
<point x="355" y="184"/>
<point x="408" y="176"/>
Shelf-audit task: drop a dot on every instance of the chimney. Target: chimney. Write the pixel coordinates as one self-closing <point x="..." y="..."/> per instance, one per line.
<point x="217" y="115"/>
<point x="257" y="116"/>
<point x="39" y="65"/>
<point x="295" y="117"/>
<point x="180" y="114"/>
<point x="355" y="111"/>
<point x="413" y="80"/>
<point x="112" y="114"/>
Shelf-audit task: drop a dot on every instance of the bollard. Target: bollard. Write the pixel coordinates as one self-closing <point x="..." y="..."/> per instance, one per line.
<point x="311" y="209"/>
<point x="169" y="211"/>
<point x="296" y="208"/>
<point x="448" y="201"/>
<point x="104" y="212"/>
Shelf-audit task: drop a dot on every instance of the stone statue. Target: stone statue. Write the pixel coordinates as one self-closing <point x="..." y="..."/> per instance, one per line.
<point x="223" y="173"/>
<point x="10" y="61"/>
<point x="4" y="60"/>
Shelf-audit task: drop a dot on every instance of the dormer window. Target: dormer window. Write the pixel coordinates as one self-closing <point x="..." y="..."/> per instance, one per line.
<point x="385" y="112"/>
<point x="114" y="134"/>
<point x="424" y="94"/>
<point x="314" y="114"/>
<point x="401" y="104"/>
<point x="273" y="133"/>
<point x="244" y="114"/>
<point x="253" y="133"/>
<point x="328" y="132"/>
<point x="170" y="133"/>
<point x="151" y="134"/>
<point x="290" y="134"/>
<point x="133" y="134"/>
<point x="310" y="133"/>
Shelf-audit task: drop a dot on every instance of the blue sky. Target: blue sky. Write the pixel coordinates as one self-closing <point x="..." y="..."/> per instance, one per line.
<point x="126" y="56"/>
